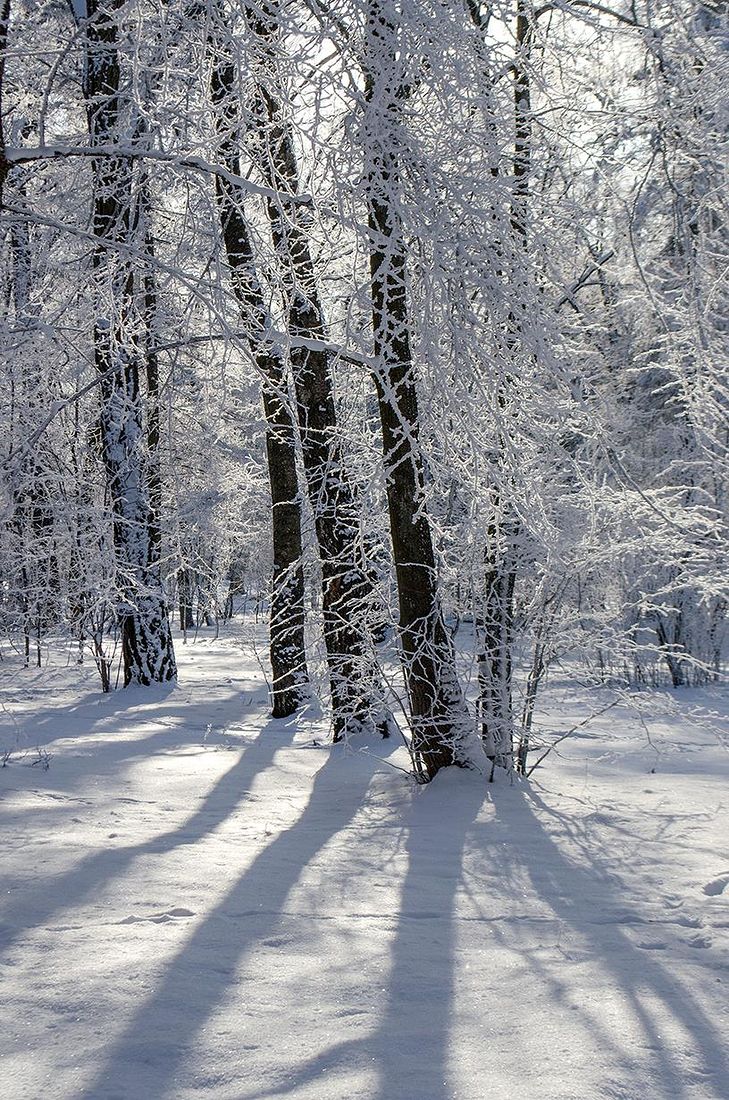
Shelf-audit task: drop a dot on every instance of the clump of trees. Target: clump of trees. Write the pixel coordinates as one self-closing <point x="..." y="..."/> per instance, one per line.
<point x="413" y="315"/>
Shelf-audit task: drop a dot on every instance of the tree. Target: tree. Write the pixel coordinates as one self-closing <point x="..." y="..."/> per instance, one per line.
<point x="438" y="716"/>
<point x="347" y="596"/>
<point x="287" y="648"/>
<point x="119" y="350"/>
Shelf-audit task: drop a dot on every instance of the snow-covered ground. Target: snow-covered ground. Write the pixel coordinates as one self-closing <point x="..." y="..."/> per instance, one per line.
<point x="199" y="902"/>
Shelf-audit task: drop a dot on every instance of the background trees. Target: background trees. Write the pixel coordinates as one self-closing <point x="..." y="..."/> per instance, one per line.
<point x="472" y="260"/>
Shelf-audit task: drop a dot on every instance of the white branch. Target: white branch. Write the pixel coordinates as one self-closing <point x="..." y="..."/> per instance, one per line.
<point x="136" y="152"/>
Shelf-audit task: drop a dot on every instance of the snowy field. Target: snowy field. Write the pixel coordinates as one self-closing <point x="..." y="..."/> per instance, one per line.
<point x="199" y="902"/>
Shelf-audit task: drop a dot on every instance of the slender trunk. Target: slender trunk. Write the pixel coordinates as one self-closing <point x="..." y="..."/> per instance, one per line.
<point x="347" y="591"/>
<point x="147" y="651"/>
<point x="500" y="557"/>
<point x="545" y="624"/>
<point x="4" y="27"/>
<point x="437" y="710"/>
<point x="494" y="660"/>
<point x="33" y="517"/>
<point x="154" y="471"/>
<point x="288" y="654"/>
<point x="184" y="597"/>
<point x="522" y="121"/>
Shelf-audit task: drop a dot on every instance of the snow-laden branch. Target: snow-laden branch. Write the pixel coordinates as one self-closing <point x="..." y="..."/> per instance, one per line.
<point x="278" y="341"/>
<point x="29" y="155"/>
<point x="591" y="5"/>
<point x="598" y="261"/>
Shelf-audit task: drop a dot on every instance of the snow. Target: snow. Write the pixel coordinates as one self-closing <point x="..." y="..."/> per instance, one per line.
<point x="200" y="902"/>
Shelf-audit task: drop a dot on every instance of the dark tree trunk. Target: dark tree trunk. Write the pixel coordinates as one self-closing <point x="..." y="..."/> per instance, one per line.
<point x="669" y="631"/>
<point x="288" y="654"/>
<point x="184" y="597"/>
<point x="148" y="655"/>
<point x="4" y="26"/>
<point x="347" y="592"/>
<point x="437" y="709"/>
<point x="494" y="660"/>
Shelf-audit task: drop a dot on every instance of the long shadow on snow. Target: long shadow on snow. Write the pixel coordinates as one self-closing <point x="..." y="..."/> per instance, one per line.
<point x="411" y="1046"/>
<point x="92" y="714"/>
<point x="158" y="1040"/>
<point x="67" y="890"/>
<point x="656" y="997"/>
<point x="100" y="750"/>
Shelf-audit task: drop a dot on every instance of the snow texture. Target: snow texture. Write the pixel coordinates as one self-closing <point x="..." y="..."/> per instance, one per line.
<point x="199" y="902"/>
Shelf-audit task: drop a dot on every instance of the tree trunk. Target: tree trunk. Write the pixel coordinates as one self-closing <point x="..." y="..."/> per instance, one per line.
<point x="184" y="597"/>
<point x="669" y="631"/>
<point x="500" y="558"/>
<point x="494" y="660"/>
<point x="148" y="655"/>
<point x="437" y="710"/>
<point x="347" y="591"/>
<point x="153" y="472"/>
<point x="288" y="654"/>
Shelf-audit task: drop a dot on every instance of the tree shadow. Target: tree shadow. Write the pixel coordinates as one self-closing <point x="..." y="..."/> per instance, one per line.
<point x="92" y="714"/>
<point x="85" y="879"/>
<point x="418" y="1017"/>
<point x="148" y="1056"/>
<point x="590" y="899"/>
<point x="411" y="1047"/>
<point x="167" y="717"/>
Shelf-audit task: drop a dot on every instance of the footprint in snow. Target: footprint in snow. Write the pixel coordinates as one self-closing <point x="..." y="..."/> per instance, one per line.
<point x="717" y="885"/>
<point x="158" y="918"/>
<point x="699" y="941"/>
<point x="688" y="922"/>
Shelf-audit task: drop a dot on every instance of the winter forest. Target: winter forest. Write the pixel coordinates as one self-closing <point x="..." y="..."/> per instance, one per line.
<point x="363" y="549"/>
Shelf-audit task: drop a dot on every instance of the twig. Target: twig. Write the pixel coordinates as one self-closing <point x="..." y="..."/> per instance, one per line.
<point x="579" y="725"/>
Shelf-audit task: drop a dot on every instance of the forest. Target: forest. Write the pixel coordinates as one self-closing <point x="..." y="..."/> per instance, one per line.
<point x="368" y="356"/>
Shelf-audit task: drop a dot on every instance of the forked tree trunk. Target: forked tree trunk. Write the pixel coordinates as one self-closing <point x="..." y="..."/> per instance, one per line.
<point x="496" y="619"/>
<point x="147" y="651"/>
<point x="438" y="715"/>
<point x="347" y="592"/>
<point x="288" y="654"/>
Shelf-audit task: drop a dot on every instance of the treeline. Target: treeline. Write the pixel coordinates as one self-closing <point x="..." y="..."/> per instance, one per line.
<point x="405" y="317"/>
